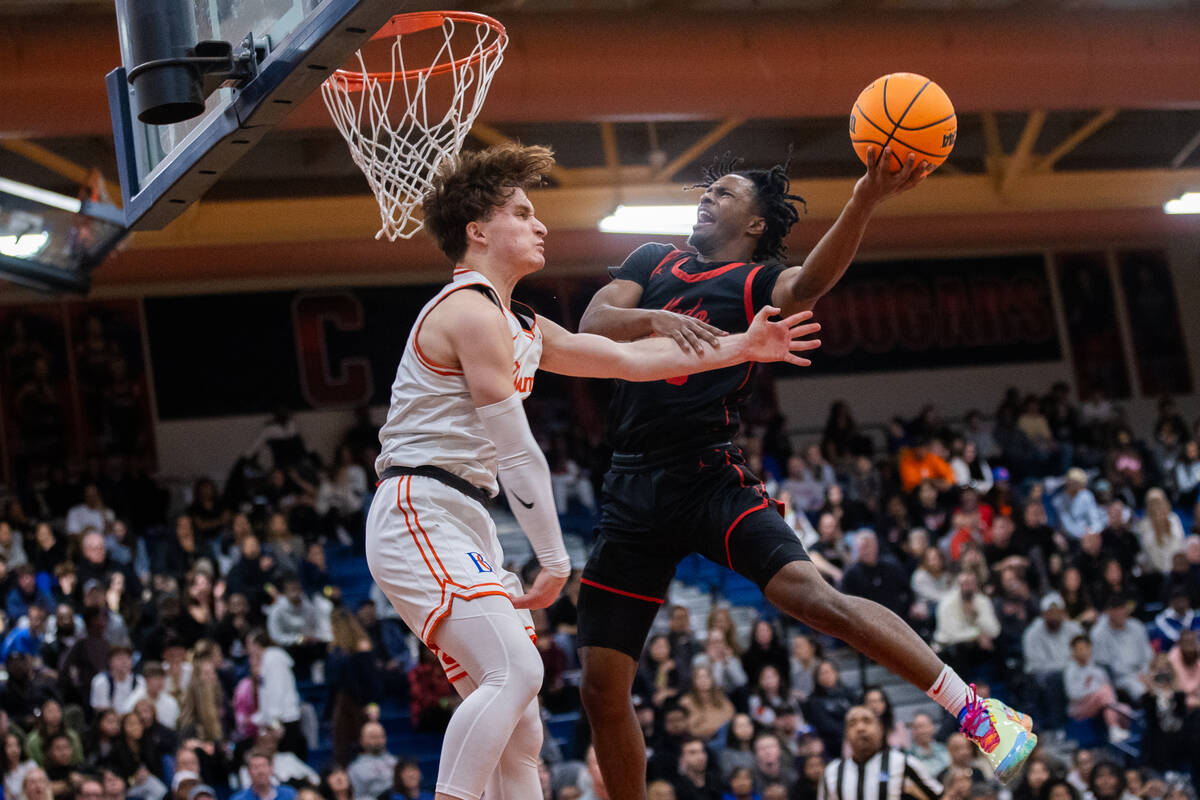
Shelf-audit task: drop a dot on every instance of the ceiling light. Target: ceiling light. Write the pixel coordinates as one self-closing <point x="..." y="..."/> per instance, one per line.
<point x="668" y="220"/>
<point x="1186" y="203"/>
<point x="40" y="195"/>
<point x="25" y="245"/>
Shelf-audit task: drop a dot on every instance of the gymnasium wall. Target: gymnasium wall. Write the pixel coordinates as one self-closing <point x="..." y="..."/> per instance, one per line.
<point x="203" y="370"/>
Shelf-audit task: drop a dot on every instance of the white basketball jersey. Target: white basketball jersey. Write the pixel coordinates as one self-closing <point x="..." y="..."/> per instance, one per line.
<point x="432" y="419"/>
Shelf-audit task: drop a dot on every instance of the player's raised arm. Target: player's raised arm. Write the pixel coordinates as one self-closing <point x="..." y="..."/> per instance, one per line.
<point x="475" y="330"/>
<point x="590" y="356"/>
<point x="799" y="288"/>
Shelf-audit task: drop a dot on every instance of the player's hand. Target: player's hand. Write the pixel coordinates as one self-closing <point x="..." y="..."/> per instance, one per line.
<point x="780" y="341"/>
<point x="543" y="593"/>
<point x="879" y="184"/>
<point x="688" y="332"/>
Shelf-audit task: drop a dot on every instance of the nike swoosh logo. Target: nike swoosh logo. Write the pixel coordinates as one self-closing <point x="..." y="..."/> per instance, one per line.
<point x="522" y="502"/>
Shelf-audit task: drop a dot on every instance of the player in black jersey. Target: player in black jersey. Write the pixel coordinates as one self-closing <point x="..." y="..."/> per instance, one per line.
<point x="677" y="485"/>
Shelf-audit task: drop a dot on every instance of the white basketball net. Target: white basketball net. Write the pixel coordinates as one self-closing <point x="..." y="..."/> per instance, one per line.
<point x="395" y="137"/>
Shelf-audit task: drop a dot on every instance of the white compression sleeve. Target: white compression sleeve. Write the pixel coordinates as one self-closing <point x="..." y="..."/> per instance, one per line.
<point x="525" y="475"/>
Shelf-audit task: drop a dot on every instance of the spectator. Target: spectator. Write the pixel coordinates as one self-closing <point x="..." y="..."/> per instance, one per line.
<point x="353" y="681"/>
<point x="91" y="513"/>
<point x="919" y="464"/>
<point x="406" y="783"/>
<point x="870" y="755"/>
<point x="726" y="667"/>
<point x="1124" y="467"/>
<point x="132" y="758"/>
<point x="50" y="723"/>
<point x="682" y="642"/>
<point x="163" y="740"/>
<point x="261" y="786"/>
<point x="657" y="670"/>
<point x="876" y="699"/>
<point x="865" y="485"/>
<point x="1108" y="783"/>
<point x="771" y="763"/>
<point x="765" y="648"/>
<point x="1187" y="474"/>
<point x="881" y="580"/>
<point x="278" y="699"/>
<point x="1122" y="647"/>
<point x="201" y="714"/>
<point x="708" y="708"/>
<point x="14" y="764"/>
<point x="667" y="744"/>
<point x="118" y="688"/>
<point x="738" y="752"/>
<point x="114" y="785"/>
<point x="1161" y="532"/>
<point x="1089" y="692"/>
<point x="24" y="691"/>
<point x="1046" y="645"/>
<point x="829" y="553"/>
<point x="801" y="666"/>
<point x="696" y="778"/>
<point x="802" y="489"/>
<point x="927" y="750"/>
<point x="827" y="706"/>
<point x="1076" y="506"/>
<point x="1081" y="770"/>
<point x="1173" y="620"/>
<point x="929" y="512"/>
<point x="971" y="469"/>
<point x="36" y="786"/>
<point x="166" y="708"/>
<point x="335" y="785"/>
<point x="962" y="757"/>
<point x="286" y="768"/>
<point x="966" y="626"/>
<point x="250" y="573"/>
<point x="371" y="773"/>
<point x="1184" y="659"/>
<point x="1076" y="596"/>
<point x="769" y="701"/>
<point x="1037" y="773"/>
<point x="930" y="582"/>
<point x="128" y="551"/>
<point x="1166" y="742"/>
<point x="741" y="786"/>
<point x="812" y="776"/>
<point x="292" y="624"/>
<point x="24" y="594"/>
<point x="1118" y="539"/>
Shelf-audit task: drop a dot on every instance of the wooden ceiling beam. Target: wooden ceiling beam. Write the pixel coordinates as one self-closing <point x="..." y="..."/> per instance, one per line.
<point x="1077" y="138"/>
<point x="581" y="207"/>
<point x="714" y="135"/>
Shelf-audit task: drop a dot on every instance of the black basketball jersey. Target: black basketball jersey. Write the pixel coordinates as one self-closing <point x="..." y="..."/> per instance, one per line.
<point x="690" y="409"/>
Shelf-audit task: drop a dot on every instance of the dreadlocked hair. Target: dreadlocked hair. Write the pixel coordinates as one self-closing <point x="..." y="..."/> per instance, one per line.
<point x="774" y="201"/>
<point x="469" y="186"/>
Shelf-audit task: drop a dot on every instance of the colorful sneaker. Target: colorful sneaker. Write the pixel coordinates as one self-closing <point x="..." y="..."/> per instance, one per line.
<point x="1004" y="735"/>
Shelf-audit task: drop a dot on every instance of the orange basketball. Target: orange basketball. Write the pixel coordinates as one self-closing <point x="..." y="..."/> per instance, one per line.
<point x="907" y="112"/>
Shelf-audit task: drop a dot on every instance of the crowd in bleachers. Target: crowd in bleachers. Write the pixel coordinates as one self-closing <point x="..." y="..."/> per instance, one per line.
<point x="224" y="641"/>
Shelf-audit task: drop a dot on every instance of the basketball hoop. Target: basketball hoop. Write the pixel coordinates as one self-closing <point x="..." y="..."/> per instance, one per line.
<point x="394" y="123"/>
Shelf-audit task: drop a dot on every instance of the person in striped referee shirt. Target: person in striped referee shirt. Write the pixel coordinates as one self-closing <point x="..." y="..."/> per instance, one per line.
<point x="874" y="771"/>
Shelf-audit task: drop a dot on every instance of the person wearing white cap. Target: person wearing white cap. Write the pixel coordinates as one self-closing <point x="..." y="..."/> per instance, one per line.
<point x="1046" y="644"/>
<point x="1078" y="512"/>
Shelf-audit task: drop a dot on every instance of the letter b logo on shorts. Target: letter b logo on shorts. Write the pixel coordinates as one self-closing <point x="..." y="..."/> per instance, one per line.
<point x="480" y="563"/>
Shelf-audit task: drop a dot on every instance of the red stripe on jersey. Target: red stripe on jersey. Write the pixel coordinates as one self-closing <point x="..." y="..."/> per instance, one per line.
<point x="748" y="294"/>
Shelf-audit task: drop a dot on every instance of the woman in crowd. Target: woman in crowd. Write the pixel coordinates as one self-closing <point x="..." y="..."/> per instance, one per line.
<point x="1076" y="597"/>
<point x="353" y="680"/>
<point x="657" y="670"/>
<point x="49" y="723"/>
<point x="765" y="648"/>
<point x="931" y="580"/>
<point x="708" y="708"/>
<point x="1037" y="772"/>
<point x="202" y="711"/>
<point x="770" y="700"/>
<point x="335" y="784"/>
<point x="827" y="706"/>
<point x="896" y="733"/>
<point x="102" y="737"/>
<point x="801" y="666"/>
<point x="741" y="785"/>
<point x="15" y="764"/>
<point x="1107" y="783"/>
<point x="1160" y="531"/>
<point x="738" y="751"/>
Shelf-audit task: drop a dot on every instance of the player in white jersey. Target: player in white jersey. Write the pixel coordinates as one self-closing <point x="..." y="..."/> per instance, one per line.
<point x="456" y="423"/>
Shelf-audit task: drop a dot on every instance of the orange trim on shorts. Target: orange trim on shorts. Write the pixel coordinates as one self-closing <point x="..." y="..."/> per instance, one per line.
<point x="430" y="627"/>
<point x="411" y="532"/>
<point x="416" y="519"/>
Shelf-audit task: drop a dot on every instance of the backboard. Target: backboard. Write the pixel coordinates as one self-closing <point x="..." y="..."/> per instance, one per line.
<point x="52" y="242"/>
<point x="296" y="45"/>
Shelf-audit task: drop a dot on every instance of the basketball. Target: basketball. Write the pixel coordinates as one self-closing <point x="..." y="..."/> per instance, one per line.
<point x="907" y="112"/>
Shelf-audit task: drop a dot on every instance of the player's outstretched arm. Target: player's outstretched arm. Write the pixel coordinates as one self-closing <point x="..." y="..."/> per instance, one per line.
<point x="613" y="313"/>
<point x="476" y="332"/>
<point x="588" y="356"/>
<point x="800" y="287"/>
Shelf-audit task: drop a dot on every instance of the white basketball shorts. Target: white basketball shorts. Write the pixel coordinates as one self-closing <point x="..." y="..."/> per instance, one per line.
<point x="431" y="548"/>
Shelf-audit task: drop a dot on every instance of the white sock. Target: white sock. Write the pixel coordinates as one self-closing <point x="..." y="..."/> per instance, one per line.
<point x="950" y="691"/>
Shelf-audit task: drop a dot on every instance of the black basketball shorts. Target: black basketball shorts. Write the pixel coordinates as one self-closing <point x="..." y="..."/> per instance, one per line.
<point x="655" y="512"/>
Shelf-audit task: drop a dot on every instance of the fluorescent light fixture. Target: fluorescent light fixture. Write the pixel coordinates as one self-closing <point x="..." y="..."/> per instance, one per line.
<point x="668" y="220"/>
<point x="1186" y="203"/>
<point x="40" y="195"/>
<point x="25" y="245"/>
